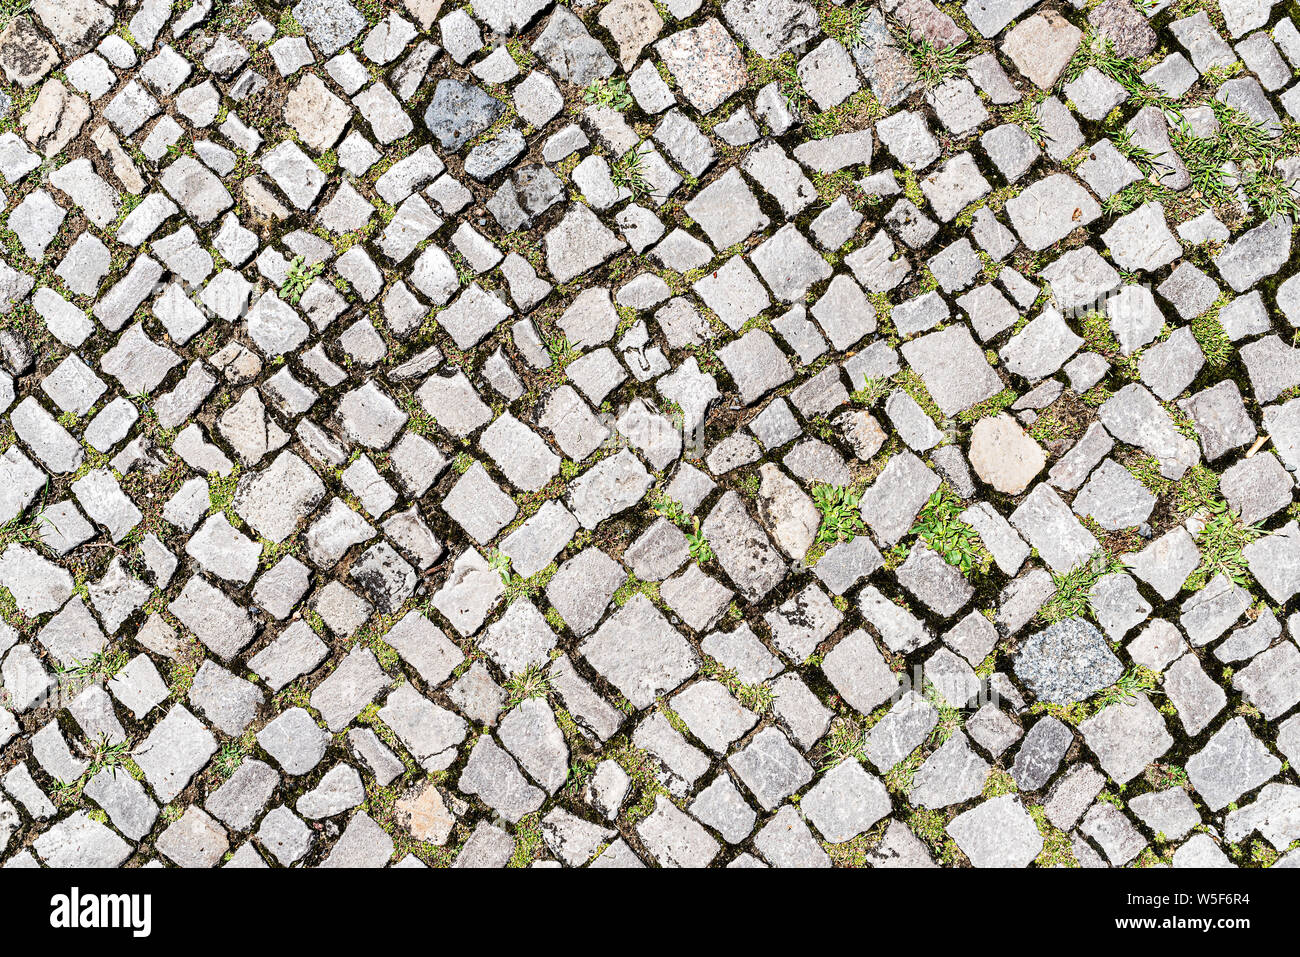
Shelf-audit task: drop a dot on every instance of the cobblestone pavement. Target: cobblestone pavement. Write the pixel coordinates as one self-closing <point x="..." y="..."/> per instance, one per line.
<point x="649" y="433"/>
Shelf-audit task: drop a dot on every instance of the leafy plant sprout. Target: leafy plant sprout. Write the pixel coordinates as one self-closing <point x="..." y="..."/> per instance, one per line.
<point x="299" y="278"/>
<point x="940" y="528"/>
<point x="499" y="562"/>
<point x="1221" y="541"/>
<point x="847" y="741"/>
<point x="872" y="391"/>
<point x="612" y="93"/>
<point x="699" y="546"/>
<point x="841" y="520"/>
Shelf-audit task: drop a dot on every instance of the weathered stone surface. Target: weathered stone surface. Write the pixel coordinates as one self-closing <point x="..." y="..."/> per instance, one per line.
<point x="706" y="63"/>
<point x="1126" y="737"/>
<point x="1003" y="455"/>
<point x="997" y="833"/>
<point x="1231" y="763"/>
<point x="1067" y="662"/>
<point x="1050" y="210"/>
<point x="640" y="653"/>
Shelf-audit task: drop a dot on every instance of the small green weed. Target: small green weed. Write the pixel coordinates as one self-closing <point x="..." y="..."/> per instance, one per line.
<point x="841" y="520"/>
<point x="938" y="526"/>
<point x="700" y="548"/>
<point x="933" y="64"/>
<point x="872" y="391"/>
<point x="612" y="93"/>
<point x="532" y="682"/>
<point x="299" y="278"/>
<point x="628" y="172"/>
<point x="1133" y="682"/>
<point x="847" y="741"/>
<point x="1221" y="542"/>
<point x="1074" y="588"/>
<point x="500" y="562"/>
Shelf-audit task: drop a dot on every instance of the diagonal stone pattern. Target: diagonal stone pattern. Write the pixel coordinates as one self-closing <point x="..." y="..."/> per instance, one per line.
<point x="756" y="433"/>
